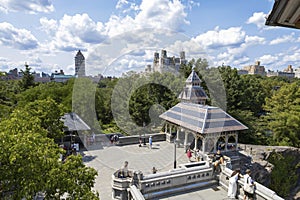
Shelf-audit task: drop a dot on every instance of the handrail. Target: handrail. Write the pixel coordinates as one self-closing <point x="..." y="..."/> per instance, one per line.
<point x="135" y="193"/>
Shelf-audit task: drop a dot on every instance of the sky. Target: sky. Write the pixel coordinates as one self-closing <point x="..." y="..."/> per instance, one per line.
<point x="117" y="36"/>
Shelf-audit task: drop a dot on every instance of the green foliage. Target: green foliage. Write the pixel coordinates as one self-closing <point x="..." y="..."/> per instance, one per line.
<point x="8" y="99"/>
<point x="283" y="176"/>
<point x="139" y="99"/>
<point x="283" y="116"/>
<point x="61" y="93"/>
<point x="30" y="162"/>
<point x="27" y="80"/>
<point x="49" y="113"/>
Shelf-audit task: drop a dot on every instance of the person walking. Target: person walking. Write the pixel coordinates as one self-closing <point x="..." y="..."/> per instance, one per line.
<point x="150" y="142"/>
<point x="232" y="186"/>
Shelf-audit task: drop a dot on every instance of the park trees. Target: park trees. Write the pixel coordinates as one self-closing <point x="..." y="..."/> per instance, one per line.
<point x="29" y="162"/>
<point x="283" y="115"/>
<point x="27" y="80"/>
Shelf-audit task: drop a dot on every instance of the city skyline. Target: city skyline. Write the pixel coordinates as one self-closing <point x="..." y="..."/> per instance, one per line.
<point x="118" y="36"/>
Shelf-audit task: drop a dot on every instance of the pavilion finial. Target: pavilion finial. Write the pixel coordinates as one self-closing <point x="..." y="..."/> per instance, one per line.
<point x="193" y="67"/>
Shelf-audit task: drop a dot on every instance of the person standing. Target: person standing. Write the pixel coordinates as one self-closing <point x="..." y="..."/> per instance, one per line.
<point x="197" y="155"/>
<point x="248" y="182"/>
<point x="124" y="170"/>
<point x="150" y="142"/>
<point x="232" y="186"/>
<point x="189" y="154"/>
<point x="154" y="170"/>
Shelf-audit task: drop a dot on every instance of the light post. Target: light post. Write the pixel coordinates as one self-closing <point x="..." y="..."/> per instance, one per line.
<point x="144" y="133"/>
<point x="174" y="153"/>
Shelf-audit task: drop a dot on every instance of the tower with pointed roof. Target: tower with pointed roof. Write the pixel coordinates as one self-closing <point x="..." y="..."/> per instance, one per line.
<point x="193" y="92"/>
<point x="79" y="64"/>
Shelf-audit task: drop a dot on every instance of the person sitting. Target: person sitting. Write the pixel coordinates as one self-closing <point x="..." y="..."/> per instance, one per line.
<point x="218" y="159"/>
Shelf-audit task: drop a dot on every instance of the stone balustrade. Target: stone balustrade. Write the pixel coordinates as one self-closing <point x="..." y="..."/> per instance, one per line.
<point x="186" y="177"/>
<point x="261" y="192"/>
<point x="135" y="139"/>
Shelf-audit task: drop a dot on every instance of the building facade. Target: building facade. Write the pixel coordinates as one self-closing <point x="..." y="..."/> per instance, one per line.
<point x="255" y="69"/>
<point x="163" y="63"/>
<point x="79" y="64"/>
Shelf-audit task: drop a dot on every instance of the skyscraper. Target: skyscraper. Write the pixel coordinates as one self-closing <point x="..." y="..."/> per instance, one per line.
<point x="79" y="64"/>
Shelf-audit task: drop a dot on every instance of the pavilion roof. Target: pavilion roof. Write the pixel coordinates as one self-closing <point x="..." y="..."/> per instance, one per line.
<point x="202" y="118"/>
<point x="73" y="122"/>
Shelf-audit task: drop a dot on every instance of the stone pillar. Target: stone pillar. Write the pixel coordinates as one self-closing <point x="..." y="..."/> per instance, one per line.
<point x="236" y="140"/>
<point x="203" y="144"/>
<point x="177" y="134"/>
<point x="215" y="144"/>
<point x="226" y="142"/>
<point x="166" y="128"/>
<point x="196" y="141"/>
<point x="185" y="139"/>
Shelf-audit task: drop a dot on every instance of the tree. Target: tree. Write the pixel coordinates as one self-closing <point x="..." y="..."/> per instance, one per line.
<point x="27" y="80"/>
<point x="283" y="117"/>
<point x="283" y="176"/>
<point x="49" y="113"/>
<point x="29" y="163"/>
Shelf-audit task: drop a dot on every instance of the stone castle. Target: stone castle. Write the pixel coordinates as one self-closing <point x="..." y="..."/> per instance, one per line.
<point x="163" y="63"/>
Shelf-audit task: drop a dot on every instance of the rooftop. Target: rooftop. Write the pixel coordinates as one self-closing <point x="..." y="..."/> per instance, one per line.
<point x="202" y="118"/>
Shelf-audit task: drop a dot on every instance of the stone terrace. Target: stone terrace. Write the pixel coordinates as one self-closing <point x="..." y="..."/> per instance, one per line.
<point x="106" y="160"/>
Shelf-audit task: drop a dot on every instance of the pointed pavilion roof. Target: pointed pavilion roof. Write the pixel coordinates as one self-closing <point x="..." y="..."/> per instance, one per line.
<point x="193" y="92"/>
<point x="193" y="78"/>
<point x="202" y="119"/>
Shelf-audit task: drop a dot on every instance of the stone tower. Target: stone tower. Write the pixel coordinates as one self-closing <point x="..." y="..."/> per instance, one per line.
<point x="79" y="64"/>
<point x="193" y="92"/>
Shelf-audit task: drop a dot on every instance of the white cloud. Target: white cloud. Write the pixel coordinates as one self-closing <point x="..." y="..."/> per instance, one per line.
<point x="16" y="38"/>
<point x="72" y="32"/>
<point x="49" y="26"/>
<point x="233" y="36"/>
<point x="253" y="40"/>
<point x="258" y="18"/>
<point x="268" y="59"/>
<point x="283" y="39"/>
<point x="30" y="6"/>
<point x="162" y="14"/>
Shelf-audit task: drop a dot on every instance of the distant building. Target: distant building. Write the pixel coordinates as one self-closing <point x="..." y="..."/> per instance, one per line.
<point x="45" y="78"/>
<point x="297" y="72"/>
<point x="288" y="73"/>
<point x="60" y="77"/>
<point x="242" y="72"/>
<point x="79" y="64"/>
<point x="255" y="69"/>
<point x="164" y="63"/>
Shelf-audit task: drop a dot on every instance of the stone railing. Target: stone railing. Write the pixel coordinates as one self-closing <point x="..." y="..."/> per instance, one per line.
<point x="134" y="193"/>
<point x="120" y="185"/>
<point x="135" y="139"/>
<point x="261" y="192"/>
<point x="186" y="177"/>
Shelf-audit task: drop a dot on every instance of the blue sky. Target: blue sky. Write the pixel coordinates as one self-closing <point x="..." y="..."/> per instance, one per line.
<point x="116" y="36"/>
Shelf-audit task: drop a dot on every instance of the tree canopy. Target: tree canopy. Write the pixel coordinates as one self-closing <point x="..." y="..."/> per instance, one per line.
<point x="30" y="160"/>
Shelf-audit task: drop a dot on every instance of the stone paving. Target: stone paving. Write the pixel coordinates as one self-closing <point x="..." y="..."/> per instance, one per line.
<point x="109" y="158"/>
